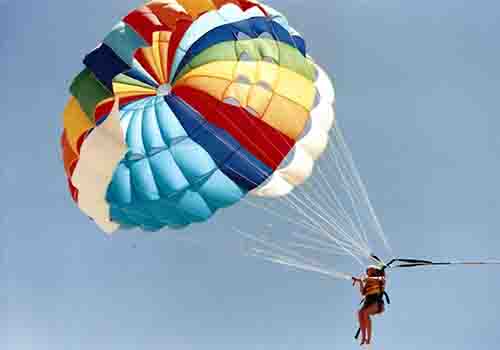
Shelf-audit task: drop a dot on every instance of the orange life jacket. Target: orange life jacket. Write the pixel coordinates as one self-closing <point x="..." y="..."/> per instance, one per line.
<point x="373" y="286"/>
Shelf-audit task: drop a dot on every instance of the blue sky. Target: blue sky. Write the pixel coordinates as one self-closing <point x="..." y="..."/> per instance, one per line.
<point x="417" y="86"/>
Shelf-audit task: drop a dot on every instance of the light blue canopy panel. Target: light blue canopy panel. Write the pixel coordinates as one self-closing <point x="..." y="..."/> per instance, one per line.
<point x="165" y="179"/>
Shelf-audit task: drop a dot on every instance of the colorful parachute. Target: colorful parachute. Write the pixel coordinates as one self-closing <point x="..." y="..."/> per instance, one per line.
<point x="186" y="107"/>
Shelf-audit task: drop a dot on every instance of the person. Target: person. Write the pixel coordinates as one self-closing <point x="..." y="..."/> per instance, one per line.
<point x="372" y="288"/>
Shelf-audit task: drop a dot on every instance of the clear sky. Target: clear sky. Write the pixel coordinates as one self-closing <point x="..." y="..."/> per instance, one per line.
<point x="417" y="92"/>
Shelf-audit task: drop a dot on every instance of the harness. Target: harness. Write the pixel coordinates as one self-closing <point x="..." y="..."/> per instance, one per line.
<point x="384" y="295"/>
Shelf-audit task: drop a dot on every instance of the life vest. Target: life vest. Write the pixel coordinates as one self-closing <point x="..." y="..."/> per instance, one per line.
<point x="373" y="286"/>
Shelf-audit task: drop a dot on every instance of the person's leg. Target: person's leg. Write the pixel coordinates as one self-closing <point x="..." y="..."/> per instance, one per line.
<point x="362" y="324"/>
<point x="368" y="329"/>
<point x="371" y="310"/>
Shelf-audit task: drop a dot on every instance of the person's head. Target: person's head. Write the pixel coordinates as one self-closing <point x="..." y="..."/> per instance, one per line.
<point x="374" y="271"/>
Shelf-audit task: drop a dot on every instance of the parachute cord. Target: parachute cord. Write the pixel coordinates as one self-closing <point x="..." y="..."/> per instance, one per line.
<point x="362" y="188"/>
<point x="283" y="256"/>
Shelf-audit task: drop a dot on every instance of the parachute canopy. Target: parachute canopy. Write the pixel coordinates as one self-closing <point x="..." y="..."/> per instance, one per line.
<point x="188" y="106"/>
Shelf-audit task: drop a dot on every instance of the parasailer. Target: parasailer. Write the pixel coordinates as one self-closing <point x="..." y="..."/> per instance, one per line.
<point x="372" y="288"/>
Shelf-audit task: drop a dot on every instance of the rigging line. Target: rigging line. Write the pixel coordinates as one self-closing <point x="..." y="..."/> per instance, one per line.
<point x="331" y="218"/>
<point x="326" y="213"/>
<point x="277" y="214"/>
<point x="318" y="214"/>
<point x="319" y="241"/>
<point x="313" y="231"/>
<point x="345" y="246"/>
<point x="301" y="208"/>
<point x="321" y="228"/>
<point x="341" y="244"/>
<point x="348" y="172"/>
<point x="304" y="267"/>
<point x="315" y="227"/>
<point x="362" y="186"/>
<point x="268" y="244"/>
<point x="351" y="195"/>
<point x="287" y="251"/>
<point x="266" y="251"/>
<point x="313" y="179"/>
<point x="323" y="241"/>
<point x="346" y="237"/>
<point x="362" y="202"/>
<point x="314" y="185"/>
<point x="273" y="245"/>
<point x="347" y="162"/>
<point x="310" y="199"/>
<point x="347" y="190"/>
<point x="334" y="214"/>
<point x="262" y="253"/>
<point x="313" y="248"/>
<point x="333" y="197"/>
<point x="323" y="181"/>
<point x="346" y="229"/>
<point x="338" y="157"/>
<point x="332" y="237"/>
<point x="300" y="202"/>
<point x="334" y="155"/>
<point x="297" y="204"/>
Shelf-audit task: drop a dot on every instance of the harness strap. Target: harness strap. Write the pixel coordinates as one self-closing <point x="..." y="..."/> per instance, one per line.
<point x="387" y="299"/>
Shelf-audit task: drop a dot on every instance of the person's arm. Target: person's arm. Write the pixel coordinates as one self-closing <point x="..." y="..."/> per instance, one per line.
<point x="361" y="284"/>
<point x="376" y="278"/>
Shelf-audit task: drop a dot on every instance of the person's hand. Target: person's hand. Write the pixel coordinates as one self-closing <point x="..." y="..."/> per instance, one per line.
<point x="355" y="280"/>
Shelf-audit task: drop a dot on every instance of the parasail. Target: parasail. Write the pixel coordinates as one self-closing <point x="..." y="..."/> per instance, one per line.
<point x="187" y="107"/>
<point x="190" y="106"/>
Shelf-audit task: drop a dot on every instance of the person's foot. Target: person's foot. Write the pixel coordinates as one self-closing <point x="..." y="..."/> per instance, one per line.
<point x="363" y="342"/>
